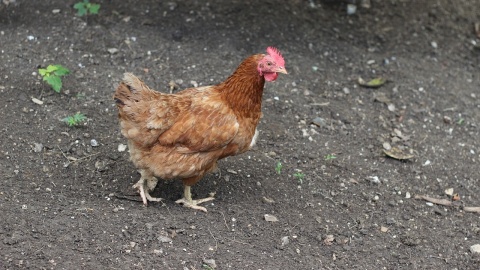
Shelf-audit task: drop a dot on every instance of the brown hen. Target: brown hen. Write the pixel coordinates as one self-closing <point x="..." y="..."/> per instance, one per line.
<point x="183" y="135"/>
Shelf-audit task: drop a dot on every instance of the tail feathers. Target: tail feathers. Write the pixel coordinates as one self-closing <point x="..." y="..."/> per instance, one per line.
<point x="128" y="88"/>
<point x="133" y="82"/>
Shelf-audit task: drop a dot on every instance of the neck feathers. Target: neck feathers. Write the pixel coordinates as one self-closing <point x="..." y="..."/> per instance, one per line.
<point x="244" y="88"/>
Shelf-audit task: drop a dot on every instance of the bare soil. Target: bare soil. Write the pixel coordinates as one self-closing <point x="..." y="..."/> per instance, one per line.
<point x="66" y="204"/>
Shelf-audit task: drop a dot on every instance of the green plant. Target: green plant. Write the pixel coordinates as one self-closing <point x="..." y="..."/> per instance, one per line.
<point x="460" y="121"/>
<point x="278" y="167"/>
<point x="207" y="267"/>
<point x="74" y="120"/>
<point x="52" y="75"/>
<point x="330" y="157"/>
<point x="85" y="8"/>
<point x="299" y="176"/>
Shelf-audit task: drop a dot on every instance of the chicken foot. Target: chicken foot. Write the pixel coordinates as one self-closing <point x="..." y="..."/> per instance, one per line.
<point x="147" y="183"/>
<point x="187" y="201"/>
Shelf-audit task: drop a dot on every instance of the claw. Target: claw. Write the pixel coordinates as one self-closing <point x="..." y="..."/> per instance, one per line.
<point x="144" y="189"/>
<point x="194" y="203"/>
<point x="187" y="201"/>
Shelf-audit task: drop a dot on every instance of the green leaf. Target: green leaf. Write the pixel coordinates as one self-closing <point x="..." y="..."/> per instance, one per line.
<point x="94" y="8"/>
<point x="74" y="120"/>
<point x="61" y="71"/>
<point x="42" y="72"/>
<point x="81" y="9"/>
<point x="79" y="117"/>
<point x="54" y="81"/>
<point x="69" y="121"/>
<point x="374" y="83"/>
<point x="51" y="69"/>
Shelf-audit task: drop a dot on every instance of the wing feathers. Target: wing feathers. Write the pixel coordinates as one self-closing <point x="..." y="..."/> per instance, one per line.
<point x="195" y="120"/>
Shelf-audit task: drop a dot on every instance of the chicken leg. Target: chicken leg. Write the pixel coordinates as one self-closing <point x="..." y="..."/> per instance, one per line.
<point x="147" y="183"/>
<point x="187" y="201"/>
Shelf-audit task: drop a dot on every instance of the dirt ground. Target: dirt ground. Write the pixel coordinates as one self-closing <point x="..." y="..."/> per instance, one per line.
<point x="339" y="201"/>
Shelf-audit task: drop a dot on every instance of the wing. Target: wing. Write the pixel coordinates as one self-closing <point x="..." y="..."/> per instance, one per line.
<point x="144" y="120"/>
<point x="207" y="125"/>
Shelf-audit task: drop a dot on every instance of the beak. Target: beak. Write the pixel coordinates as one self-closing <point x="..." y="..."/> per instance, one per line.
<point x="282" y="70"/>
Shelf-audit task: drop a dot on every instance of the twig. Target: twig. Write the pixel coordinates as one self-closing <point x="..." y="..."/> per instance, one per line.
<point x="444" y="202"/>
<point x="236" y="241"/>
<point x="62" y="153"/>
<point x="319" y="104"/>
<point x="225" y="220"/>
<point x="74" y="159"/>
<point x="472" y="209"/>
<point x="216" y="242"/>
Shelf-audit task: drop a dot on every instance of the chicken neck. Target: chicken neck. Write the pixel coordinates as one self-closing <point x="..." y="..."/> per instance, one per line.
<point x="243" y="90"/>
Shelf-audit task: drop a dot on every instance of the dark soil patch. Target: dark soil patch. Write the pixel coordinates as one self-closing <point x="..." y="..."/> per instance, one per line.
<point x="63" y="214"/>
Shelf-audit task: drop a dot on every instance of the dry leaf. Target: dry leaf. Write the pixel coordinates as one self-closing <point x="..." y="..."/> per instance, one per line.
<point x="374" y="83"/>
<point x="329" y="240"/>
<point x="397" y="153"/>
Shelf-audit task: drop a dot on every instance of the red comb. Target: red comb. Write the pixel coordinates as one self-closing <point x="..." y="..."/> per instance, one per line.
<point x="276" y="55"/>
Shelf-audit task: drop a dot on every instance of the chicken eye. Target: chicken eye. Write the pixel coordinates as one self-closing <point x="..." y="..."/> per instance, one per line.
<point x="269" y="64"/>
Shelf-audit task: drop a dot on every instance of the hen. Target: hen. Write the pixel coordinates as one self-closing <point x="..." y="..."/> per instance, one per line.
<point x="183" y="135"/>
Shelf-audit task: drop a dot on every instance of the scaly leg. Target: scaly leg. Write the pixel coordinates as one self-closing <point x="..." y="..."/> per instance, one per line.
<point x="146" y="184"/>
<point x="187" y="201"/>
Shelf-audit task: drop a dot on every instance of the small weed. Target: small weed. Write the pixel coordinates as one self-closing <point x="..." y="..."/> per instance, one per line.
<point x="207" y="267"/>
<point x="460" y="121"/>
<point x="74" y="120"/>
<point x="299" y="176"/>
<point x="86" y="8"/>
<point x="330" y="157"/>
<point x="278" y="167"/>
<point x="52" y="75"/>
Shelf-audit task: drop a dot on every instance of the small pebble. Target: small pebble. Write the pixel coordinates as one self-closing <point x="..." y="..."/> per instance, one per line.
<point x="122" y="148"/>
<point x="112" y="50"/>
<point x="374" y="179"/>
<point x="210" y="262"/>
<point x="270" y="218"/>
<point x="449" y="191"/>
<point x="56" y="11"/>
<point x="319" y="121"/>
<point x="475" y="249"/>
<point x="38" y="147"/>
<point x="351" y="9"/>
<point x="285" y="241"/>
<point x="387" y="146"/>
<point x="164" y="239"/>
<point x="93" y="143"/>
